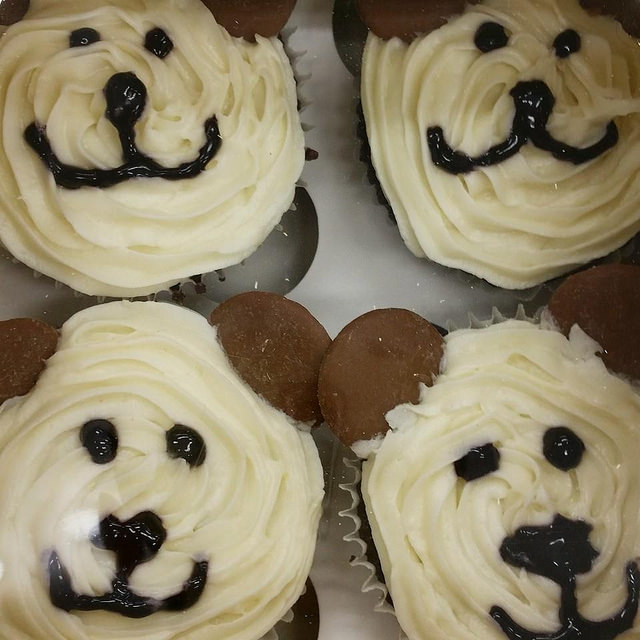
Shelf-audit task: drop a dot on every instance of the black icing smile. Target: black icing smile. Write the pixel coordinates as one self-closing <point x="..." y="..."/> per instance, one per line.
<point x="534" y="104"/>
<point x="126" y="97"/>
<point x="559" y="551"/>
<point x="135" y="541"/>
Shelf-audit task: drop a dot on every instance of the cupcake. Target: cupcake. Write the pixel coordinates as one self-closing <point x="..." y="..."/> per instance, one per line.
<point x="146" y="489"/>
<point x="143" y="143"/>
<point x="505" y="138"/>
<point x="501" y="484"/>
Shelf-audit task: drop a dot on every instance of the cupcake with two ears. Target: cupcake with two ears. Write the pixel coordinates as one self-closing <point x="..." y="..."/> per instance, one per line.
<point x="500" y="473"/>
<point x="158" y="475"/>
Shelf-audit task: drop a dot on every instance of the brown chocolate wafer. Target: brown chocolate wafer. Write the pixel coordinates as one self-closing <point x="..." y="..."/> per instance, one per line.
<point x="276" y="346"/>
<point x="246" y="18"/>
<point x="376" y="363"/>
<point x="605" y="302"/>
<point x="12" y="11"/>
<point x="408" y="18"/>
<point x="627" y="12"/>
<point x="25" y="344"/>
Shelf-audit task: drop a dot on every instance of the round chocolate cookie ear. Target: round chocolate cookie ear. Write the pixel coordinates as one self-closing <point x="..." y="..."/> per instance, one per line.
<point x="276" y="346"/>
<point x="604" y="302"/>
<point x="25" y="344"/>
<point x="627" y="12"/>
<point x="408" y="18"/>
<point x="12" y="11"/>
<point x="376" y="363"/>
<point x="248" y="18"/>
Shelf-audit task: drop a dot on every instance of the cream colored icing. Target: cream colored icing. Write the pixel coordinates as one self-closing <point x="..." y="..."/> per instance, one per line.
<point x="439" y="536"/>
<point x="532" y="217"/>
<point x="251" y="509"/>
<point x="142" y="235"/>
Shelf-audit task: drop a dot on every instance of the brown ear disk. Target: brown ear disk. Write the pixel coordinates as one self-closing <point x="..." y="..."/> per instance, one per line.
<point x="376" y="363"/>
<point x="25" y="344"/>
<point x="408" y="18"/>
<point x="605" y="303"/>
<point x="12" y="11"/>
<point x="248" y="18"/>
<point x="627" y="12"/>
<point x="276" y="346"/>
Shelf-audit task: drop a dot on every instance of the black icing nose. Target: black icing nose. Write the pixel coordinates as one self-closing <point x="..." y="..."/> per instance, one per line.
<point x="560" y="551"/>
<point x="534" y="103"/>
<point x="557" y="551"/>
<point x="134" y="541"/>
<point x="126" y="97"/>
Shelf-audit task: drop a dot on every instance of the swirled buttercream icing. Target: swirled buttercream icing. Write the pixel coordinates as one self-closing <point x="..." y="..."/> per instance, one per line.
<point x="140" y="143"/>
<point x="507" y="141"/>
<point x="511" y="489"/>
<point x="147" y="492"/>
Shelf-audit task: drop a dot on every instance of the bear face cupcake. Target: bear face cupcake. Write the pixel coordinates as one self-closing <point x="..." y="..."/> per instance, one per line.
<point x="503" y="498"/>
<point x="506" y="138"/>
<point x="147" y="490"/>
<point x="141" y="143"/>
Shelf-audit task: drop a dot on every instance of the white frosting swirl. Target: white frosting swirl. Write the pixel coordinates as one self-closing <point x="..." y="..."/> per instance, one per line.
<point x="251" y="509"/>
<point x="439" y="536"/>
<point x="531" y="217"/>
<point x="142" y="235"/>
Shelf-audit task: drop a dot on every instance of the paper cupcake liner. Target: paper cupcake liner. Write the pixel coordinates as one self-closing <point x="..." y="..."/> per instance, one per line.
<point x="366" y="556"/>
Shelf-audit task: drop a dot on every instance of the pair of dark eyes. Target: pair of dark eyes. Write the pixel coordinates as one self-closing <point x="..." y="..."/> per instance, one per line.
<point x="100" y="439"/>
<point x="491" y="36"/>
<point x="560" y="446"/>
<point x="156" y="40"/>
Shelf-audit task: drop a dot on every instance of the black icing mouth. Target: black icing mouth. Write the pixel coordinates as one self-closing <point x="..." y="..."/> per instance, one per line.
<point x="534" y="104"/>
<point x="559" y="551"/>
<point x="126" y="97"/>
<point x="135" y="541"/>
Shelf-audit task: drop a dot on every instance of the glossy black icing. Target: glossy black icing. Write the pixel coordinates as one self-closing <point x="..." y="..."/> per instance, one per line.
<point x="490" y="36"/>
<point x="100" y="439"/>
<point x="566" y="43"/>
<point x="134" y="541"/>
<point x="158" y="42"/>
<point x="121" y="599"/>
<point x="534" y="104"/>
<point x="126" y="98"/>
<point x="186" y="443"/>
<point x="560" y="551"/>
<point x="83" y="37"/>
<point x="478" y="462"/>
<point x="562" y="448"/>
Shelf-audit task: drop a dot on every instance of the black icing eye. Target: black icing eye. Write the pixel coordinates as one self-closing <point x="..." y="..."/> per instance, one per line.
<point x="478" y="462"/>
<point x="158" y="42"/>
<point x="562" y="448"/>
<point x="183" y="442"/>
<point x="83" y="37"/>
<point x="100" y="439"/>
<point x="566" y="43"/>
<point x="491" y="36"/>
